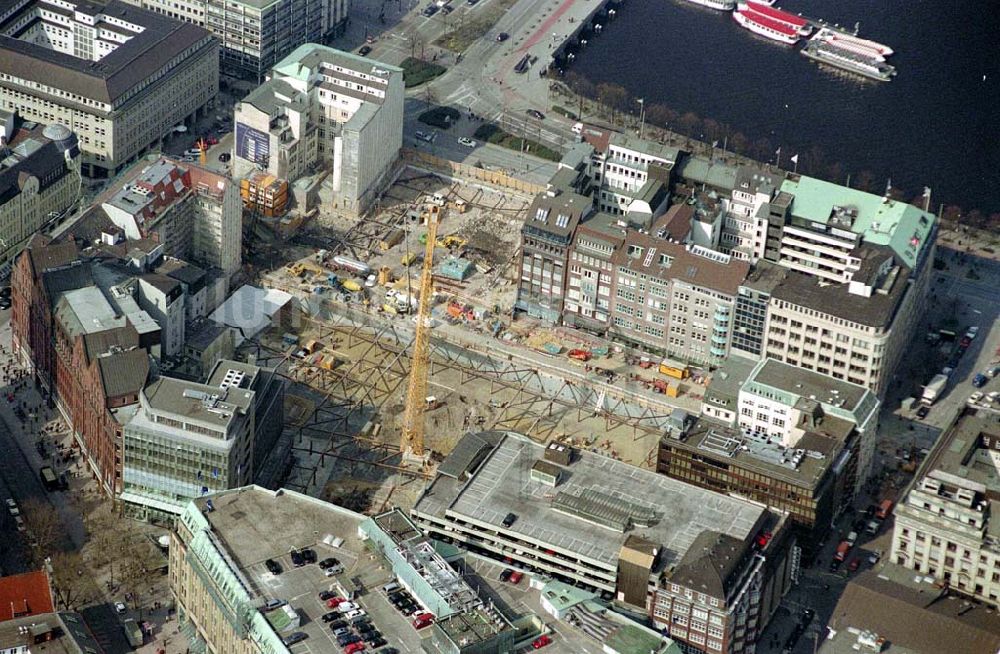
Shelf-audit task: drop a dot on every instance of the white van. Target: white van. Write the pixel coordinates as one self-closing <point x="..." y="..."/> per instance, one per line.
<point x="578" y="128"/>
<point x="391" y="587"/>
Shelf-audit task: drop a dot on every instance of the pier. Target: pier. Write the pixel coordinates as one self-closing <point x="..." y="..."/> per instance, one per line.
<point x="568" y="29"/>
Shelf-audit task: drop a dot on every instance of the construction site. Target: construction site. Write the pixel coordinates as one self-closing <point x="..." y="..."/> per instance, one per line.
<point x="403" y="340"/>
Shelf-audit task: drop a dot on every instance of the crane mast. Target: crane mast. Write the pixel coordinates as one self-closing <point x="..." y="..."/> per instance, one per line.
<point x="412" y="442"/>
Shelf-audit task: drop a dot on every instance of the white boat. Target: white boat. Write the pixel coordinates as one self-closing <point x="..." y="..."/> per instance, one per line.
<point x="719" y="5"/>
<point x="766" y="27"/>
<point x="850" y="45"/>
<point x="881" y="48"/>
<point x="825" y="52"/>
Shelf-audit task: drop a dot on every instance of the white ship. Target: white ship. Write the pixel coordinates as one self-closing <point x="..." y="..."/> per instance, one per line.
<point x="719" y="5"/>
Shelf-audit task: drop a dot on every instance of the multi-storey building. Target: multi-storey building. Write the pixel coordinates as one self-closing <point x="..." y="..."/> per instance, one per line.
<point x="220" y="541"/>
<point x="118" y="76"/>
<point x="39" y="180"/>
<point x="633" y="175"/>
<point x="87" y="323"/>
<point x="889" y="610"/>
<point x="254" y="35"/>
<point x="591" y="273"/>
<point x="545" y="244"/>
<point x="675" y="299"/>
<point x="812" y="482"/>
<point x="186" y="440"/>
<point x="326" y="107"/>
<point x="944" y="525"/>
<point x="750" y="316"/>
<point x="860" y="336"/>
<point x="782" y="403"/>
<point x="196" y="214"/>
<point x="268" y="389"/>
<point x="666" y="548"/>
<point x="755" y="201"/>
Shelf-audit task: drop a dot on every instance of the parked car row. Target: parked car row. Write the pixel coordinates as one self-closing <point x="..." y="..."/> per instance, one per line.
<point x="351" y="625"/>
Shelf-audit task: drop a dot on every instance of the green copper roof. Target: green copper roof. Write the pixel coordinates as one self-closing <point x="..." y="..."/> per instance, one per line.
<point x="299" y="62"/>
<point x="901" y="226"/>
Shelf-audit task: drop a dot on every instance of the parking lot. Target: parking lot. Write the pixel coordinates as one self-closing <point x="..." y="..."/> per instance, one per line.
<point x="360" y="582"/>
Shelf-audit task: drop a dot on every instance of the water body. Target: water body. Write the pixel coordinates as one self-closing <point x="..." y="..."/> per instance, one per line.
<point x="936" y="124"/>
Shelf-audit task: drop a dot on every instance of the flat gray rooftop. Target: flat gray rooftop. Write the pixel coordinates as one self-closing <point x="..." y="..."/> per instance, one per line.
<point x="255" y="524"/>
<point x="606" y="491"/>
<point x="807" y="383"/>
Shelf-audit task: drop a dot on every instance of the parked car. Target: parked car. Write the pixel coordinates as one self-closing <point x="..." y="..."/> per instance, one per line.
<point x="364" y="50"/>
<point x="502" y="36"/>
<point x="423" y="620"/>
<point x="334" y="570"/>
<point x="297" y="559"/>
<point x="377" y="642"/>
<point x="225" y="156"/>
<point x="328" y="562"/>
<point x="979" y="380"/>
<point x="272" y="604"/>
<point x="347" y="607"/>
<point x="874" y="557"/>
<point x="536" y="114"/>
<point x="295" y="637"/>
<point x="357" y="613"/>
<point x="120" y="608"/>
<point x="273" y="566"/>
<point x="854" y="564"/>
<point x="505" y="575"/>
<point x="326" y="594"/>
<point x="467" y="142"/>
<point x="330" y="616"/>
<point x="516" y="577"/>
<point x="540" y="642"/>
<point x="309" y="556"/>
<point x="430" y="10"/>
<point x="335" y="601"/>
<point x="923" y="411"/>
<point x="509" y="519"/>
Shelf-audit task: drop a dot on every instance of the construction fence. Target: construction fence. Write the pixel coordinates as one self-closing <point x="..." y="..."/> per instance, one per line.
<point x="454" y="169"/>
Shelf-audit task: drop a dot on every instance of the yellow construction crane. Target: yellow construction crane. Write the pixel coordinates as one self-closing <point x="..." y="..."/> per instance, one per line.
<point x="412" y="442"/>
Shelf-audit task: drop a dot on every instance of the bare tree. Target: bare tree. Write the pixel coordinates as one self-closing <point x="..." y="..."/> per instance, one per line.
<point x="864" y="180"/>
<point x="689" y="122"/>
<point x="661" y="115"/>
<point x="44" y="528"/>
<point x="68" y="578"/>
<point x="103" y="539"/>
<point x="738" y="143"/>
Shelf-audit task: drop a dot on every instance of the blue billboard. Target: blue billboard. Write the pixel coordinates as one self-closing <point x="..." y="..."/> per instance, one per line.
<point x="252" y="144"/>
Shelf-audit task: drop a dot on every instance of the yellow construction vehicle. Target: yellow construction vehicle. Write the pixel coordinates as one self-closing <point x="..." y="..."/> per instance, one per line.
<point x="408" y="259"/>
<point x="412" y="441"/>
<point x="452" y="241"/>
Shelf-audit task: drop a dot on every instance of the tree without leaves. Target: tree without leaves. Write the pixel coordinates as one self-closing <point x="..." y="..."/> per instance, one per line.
<point x="689" y="123"/>
<point x="44" y="527"/>
<point x="661" y="115"/>
<point x="69" y="578"/>
<point x="865" y="180"/>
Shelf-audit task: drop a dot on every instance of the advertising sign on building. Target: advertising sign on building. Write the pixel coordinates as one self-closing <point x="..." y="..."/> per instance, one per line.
<point x="252" y="144"/>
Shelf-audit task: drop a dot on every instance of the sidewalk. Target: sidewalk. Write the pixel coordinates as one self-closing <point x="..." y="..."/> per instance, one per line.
<point x="43" y="429"/>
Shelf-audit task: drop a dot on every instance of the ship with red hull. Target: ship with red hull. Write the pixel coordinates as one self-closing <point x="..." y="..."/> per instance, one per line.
<point x="798" y="23"/>
<point x="766" y="26"/>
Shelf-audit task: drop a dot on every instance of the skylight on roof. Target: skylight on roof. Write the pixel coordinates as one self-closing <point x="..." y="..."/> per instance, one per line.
<point x="562" y="220"/>
<point x="542" y="215"/>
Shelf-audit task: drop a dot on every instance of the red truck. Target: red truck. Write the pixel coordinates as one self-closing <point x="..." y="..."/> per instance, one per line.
<point x="884" y="509"/>
<point x="842" y="551"/>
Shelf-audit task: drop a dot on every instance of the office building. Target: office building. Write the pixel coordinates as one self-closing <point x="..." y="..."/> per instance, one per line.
<point x="254" y="35"/>
<point x="89" y="323"/>
<point x="322" y="107"/>
<point x="813" y="482"/>
<point x="890" y="611"/>
<point x="54" y="633"/>
<point x="196" y="214"/>
<point x="661" y="546"/>
<point x="186" y="440"/>
<point x="24" y="596"/>
<point x="268" y="400"/>
<point x="632" y="175"/>
<point x="944" y="525"/>
<point x="545" y="243"/>
<point x="39" y="180"/>
<point x="120" y="77"/>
